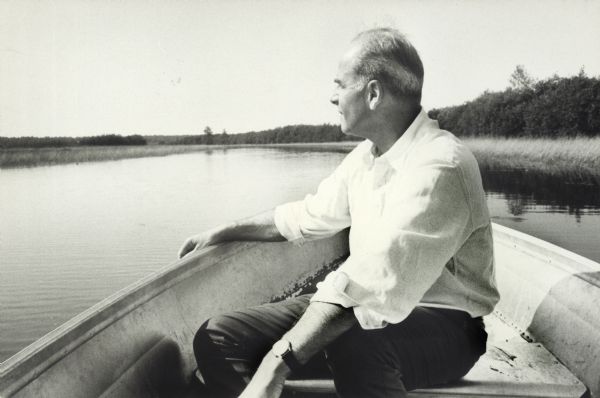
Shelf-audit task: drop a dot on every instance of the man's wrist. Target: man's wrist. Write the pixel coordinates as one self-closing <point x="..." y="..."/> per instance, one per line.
<point x="277" y="365"/>
<point x="284" y="351"/>
<point x="219" y="234"/>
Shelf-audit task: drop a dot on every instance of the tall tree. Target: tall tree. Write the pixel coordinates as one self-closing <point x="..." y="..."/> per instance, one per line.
<point x="520" y="79"/>
<point x="209" y="135"/>
<point x="224" y="138"/>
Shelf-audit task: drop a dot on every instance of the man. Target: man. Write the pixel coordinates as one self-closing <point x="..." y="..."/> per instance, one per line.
<point x="404" y="310"/>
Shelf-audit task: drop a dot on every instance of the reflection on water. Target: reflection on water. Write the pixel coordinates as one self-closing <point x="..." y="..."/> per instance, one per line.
<point x="516" y="206"/>
<point x="552" y="208"/>
<point x="525" y="190"/>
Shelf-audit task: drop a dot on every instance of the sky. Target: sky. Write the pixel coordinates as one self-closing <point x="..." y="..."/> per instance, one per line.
<point x="83" y="67"/>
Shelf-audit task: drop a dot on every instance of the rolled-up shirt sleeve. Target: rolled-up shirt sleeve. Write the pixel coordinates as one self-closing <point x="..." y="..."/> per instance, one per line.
<point x="319" y="215"/>
<point x="421" y="226"/>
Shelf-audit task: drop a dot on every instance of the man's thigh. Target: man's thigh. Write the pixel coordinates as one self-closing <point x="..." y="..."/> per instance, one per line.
<point x="229" y="347"/>
<point x="251" y="332"/>
<point x="431" y="346"/>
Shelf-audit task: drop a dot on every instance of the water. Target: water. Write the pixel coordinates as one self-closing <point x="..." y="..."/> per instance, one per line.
<point x="71" y="235"/>
<point x="548" y="207"/>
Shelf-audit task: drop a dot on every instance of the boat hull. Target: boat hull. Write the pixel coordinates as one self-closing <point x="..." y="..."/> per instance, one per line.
<point x="138" y="341"/>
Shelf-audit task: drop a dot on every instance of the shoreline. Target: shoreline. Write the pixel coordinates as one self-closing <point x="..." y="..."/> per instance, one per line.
<point x="16" y="158"/>
<point x="576" y="159"/>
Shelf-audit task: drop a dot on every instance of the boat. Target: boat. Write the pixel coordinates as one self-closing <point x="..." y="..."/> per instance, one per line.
<point x="544" y="334"/>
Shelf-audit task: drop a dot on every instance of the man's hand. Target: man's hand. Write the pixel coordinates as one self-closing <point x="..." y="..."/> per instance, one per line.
<point x="197" y="242"/>
<point x="268" y="380"/>
<point x="257" y="228"/>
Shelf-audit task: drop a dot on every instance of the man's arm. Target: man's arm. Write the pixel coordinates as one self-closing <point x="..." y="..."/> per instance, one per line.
<point x="317" y="216"/>
<point x="320" y="325"/>
<point x="257" y="228"/>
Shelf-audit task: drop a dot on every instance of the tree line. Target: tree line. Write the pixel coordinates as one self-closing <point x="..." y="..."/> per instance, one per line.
<point x="278" y="135"/>
<point x="61" y="142"/>
<point x="286" y="134"/>
<point x="554" y="107"/>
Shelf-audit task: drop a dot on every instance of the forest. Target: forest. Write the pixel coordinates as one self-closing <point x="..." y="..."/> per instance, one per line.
<point x="552" y="108"/>
<point x="63" y="142"/>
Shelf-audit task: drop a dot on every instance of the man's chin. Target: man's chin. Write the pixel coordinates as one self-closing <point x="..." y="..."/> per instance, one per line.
<point x="345" y="130"/>
<point x="349" y="133"/>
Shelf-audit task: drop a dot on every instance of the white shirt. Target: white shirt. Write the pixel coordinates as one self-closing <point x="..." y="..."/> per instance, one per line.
<point x="420" y="228"/>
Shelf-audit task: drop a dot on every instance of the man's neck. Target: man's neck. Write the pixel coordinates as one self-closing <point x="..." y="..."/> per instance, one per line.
<point x="391" y="129"/>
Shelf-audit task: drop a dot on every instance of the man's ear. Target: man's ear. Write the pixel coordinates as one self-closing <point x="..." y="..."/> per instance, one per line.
<point x="374" y="94"/>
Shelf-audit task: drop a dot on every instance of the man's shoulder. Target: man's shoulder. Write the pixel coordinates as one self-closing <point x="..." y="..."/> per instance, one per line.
<point x="358" y="154"/>
<point x="439" y="146"/>
<point x="363" y="147"/>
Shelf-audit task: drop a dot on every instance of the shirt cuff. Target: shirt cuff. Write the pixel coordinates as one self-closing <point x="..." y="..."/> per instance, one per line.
<point x="369" y="319"/>
<point x="334" y="290"/>
<point x="287" y="221"/>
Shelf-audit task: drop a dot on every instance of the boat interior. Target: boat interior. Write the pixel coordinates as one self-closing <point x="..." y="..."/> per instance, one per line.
<point x="544" y="337"/>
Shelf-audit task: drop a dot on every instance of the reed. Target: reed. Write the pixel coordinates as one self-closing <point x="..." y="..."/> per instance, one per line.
<point x="31" y="157"/>
<point x="576" y="159"/>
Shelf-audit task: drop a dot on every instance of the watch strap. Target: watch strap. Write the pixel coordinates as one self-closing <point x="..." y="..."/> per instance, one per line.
<point x="288" y="356"/>
<point x="290" y="360"/>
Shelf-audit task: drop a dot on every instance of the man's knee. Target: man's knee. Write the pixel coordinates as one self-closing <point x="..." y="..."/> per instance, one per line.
<point x="216" y="355"/>
<point x="211" y="339"/>
<point x="230" y="336"/>
<point x="202" y="341"/>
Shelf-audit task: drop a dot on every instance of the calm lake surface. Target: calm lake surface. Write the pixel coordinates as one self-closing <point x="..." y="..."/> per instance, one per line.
<point x="71" y="235"/>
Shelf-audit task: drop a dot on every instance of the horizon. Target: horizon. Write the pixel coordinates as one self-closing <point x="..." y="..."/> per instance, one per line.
<point x="78" y="69"/>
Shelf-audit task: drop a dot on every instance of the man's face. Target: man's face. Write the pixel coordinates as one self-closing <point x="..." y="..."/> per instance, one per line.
<point x="349" y="96"/>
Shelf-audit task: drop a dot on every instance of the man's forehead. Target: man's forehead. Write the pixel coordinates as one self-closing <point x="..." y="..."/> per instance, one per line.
<point x="350" y="56"/>
<point x="348" y="61"/>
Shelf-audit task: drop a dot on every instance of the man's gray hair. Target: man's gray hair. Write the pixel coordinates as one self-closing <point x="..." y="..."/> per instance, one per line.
<point x="387" y="56"/>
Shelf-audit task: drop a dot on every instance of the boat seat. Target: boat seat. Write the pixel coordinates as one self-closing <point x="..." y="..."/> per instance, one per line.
<point x="511" y="367"/>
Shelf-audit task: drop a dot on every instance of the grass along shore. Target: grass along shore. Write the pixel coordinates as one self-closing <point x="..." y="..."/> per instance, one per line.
<point x="32" y="157"/>
<point x="577" y="158"/>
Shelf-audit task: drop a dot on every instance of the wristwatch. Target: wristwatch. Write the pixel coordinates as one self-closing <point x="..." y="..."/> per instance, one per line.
<point x="283" y="349"/>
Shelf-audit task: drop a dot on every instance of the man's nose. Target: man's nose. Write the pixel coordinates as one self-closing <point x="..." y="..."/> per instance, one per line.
<point x="334" y="99"/>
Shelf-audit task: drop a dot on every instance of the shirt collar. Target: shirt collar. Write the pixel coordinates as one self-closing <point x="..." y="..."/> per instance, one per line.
<point x="400" y="147"/>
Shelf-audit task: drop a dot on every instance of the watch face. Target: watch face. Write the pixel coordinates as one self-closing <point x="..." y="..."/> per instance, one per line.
<point x="281" y="347"/>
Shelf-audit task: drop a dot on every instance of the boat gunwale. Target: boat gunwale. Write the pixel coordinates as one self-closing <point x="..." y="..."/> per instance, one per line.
<point x="572" y="263"/>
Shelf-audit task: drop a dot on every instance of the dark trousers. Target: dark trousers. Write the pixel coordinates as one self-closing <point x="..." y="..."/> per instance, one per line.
<point x="431" y="346"/>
